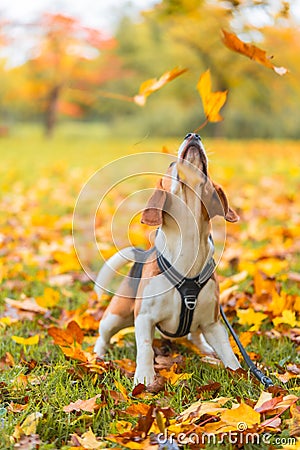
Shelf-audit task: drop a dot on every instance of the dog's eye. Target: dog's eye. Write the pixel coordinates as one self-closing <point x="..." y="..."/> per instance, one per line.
<point x="197" y="136"/>
<point x="188" y="135"/>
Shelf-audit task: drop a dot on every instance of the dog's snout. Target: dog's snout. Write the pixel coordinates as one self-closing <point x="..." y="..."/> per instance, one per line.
<point x="193" y="136"/>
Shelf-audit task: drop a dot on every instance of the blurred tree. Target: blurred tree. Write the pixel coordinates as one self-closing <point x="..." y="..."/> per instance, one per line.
<point x="64" y="66"/>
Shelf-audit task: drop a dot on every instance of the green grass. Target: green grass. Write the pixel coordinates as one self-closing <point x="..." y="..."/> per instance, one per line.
<point x="53" y="382"/>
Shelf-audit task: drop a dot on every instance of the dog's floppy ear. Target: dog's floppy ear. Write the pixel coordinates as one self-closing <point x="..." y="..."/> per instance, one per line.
<point x="220" y="207"/>
<point x="153" y="213"/>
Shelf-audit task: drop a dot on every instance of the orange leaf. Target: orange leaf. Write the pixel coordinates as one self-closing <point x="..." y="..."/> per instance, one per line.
<point x="68" y="336"/>
<point x="154" y="84"/>
<point x="212" y="101"/>
<point x="251" y="51"/>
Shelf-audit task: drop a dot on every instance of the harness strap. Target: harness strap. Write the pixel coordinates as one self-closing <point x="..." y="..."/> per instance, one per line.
<point x="188" y="288"/>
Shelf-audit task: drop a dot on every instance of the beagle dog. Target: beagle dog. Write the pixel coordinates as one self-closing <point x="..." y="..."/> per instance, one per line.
<point x="172" y="286"/>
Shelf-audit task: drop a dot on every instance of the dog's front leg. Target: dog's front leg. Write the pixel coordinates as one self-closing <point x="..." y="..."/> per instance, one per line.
<point x="144" y="332"/>
<point x="217" y="337"/>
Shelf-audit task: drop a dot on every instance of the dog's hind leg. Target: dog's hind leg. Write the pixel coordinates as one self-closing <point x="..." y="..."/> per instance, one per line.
<point x="118" y="315"/>
<point x="217" y="337"/>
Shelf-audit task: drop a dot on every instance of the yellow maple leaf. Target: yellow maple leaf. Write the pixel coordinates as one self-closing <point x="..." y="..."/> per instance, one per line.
<point x="173" y="377"/>
<point x="49" y="299"/>
<point x="288" y="317"/>
<point x="212" y="101"/>
<point x="32" y="340"/>
<point x="251" y="317"/>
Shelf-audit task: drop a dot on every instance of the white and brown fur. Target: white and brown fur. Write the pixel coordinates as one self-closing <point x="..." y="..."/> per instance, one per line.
<point x="177" y="208"/>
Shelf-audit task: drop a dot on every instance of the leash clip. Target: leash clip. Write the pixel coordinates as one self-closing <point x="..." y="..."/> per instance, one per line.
<point x="190" y="302"/>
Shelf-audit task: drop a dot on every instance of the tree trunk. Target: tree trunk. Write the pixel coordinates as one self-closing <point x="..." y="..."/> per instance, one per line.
<point x="51" y="111"/>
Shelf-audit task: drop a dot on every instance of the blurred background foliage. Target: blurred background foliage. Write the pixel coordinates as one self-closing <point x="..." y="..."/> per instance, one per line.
<point x="70" y="68"/>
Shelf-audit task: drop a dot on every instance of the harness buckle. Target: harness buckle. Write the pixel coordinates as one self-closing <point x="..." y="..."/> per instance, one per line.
<point x="190" y="302"/>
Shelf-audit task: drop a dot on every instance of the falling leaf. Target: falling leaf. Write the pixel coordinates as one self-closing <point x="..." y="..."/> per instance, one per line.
<point x="154" y="84"/>
<point x="251" y="51"/>
<point x="250" y="317"/>
<point x="212" y="101"/>
<point x="32" y="340"/>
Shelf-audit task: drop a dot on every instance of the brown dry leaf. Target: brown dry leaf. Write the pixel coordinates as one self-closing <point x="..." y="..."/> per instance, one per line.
<point x="199" y="408"/>
<point x="89" y="405"/>
<point x="28" y="304"/>
<point x="154" y="84"/>
<point x="212" y="101"/>
<point x="269" y="405"/>
<point x="251" y="51"/>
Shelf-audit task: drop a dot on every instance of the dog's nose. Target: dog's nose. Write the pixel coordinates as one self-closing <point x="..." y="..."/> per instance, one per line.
<point x="193" y="135"/>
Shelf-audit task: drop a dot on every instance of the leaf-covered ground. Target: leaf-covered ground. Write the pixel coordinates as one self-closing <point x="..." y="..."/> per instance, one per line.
<point x="55" y="393"/>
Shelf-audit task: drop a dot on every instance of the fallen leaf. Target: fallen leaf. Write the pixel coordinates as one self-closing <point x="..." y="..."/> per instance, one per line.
<point x="32" y="340"/>
<point x="251" y="51"/>
<point x="49" y="299"/>
<point x="28" y="304"/>
<point x="89" y="441"/>
<point x="242" y="414"/>
<point x="89" y="405"/>
<point x="212" y="101"/>
<point x="251" y="317"/>
<point x="294" y="422"/>
<point x="174" y="377"/>
<point x="288" y="318"/>
<point x="66" y="337"/>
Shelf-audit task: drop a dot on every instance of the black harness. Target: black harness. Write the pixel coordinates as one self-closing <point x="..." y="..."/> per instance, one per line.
<point x="189" y="289"/>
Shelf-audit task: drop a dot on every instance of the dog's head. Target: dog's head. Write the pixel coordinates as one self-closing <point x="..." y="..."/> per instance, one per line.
<point x="189" y="174"/>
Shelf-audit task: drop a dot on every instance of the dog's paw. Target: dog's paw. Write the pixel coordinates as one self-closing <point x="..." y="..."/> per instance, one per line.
<point x="144" y="377"/>
<point x="100" y="348"/>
